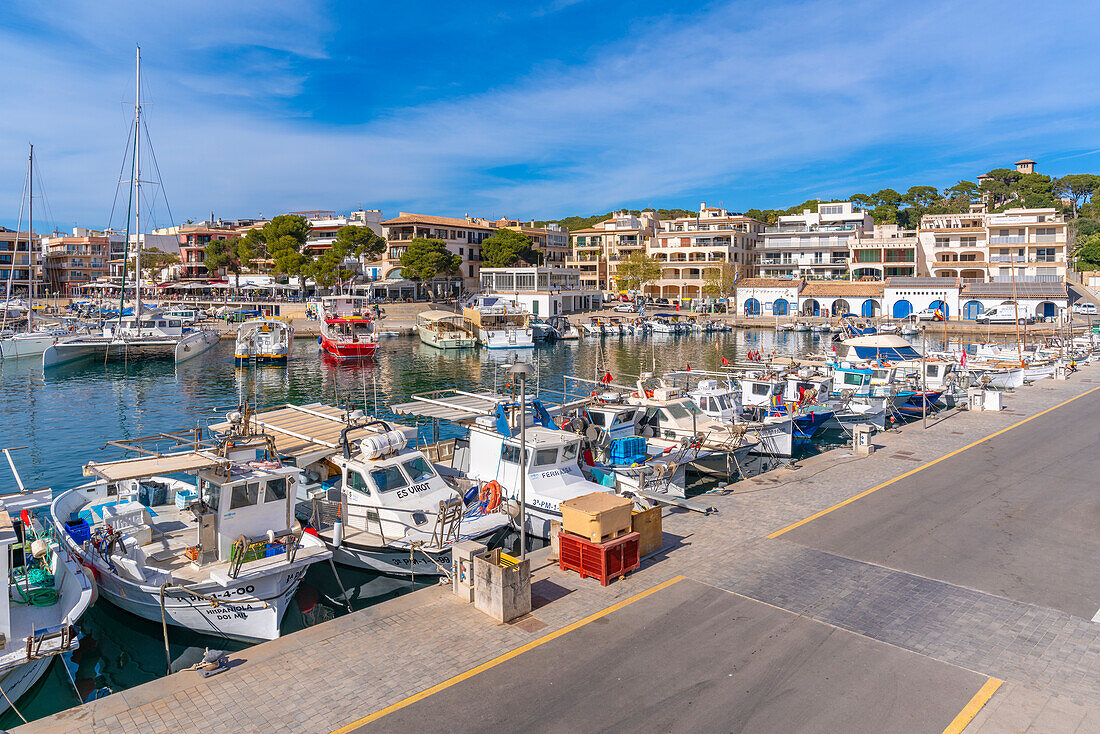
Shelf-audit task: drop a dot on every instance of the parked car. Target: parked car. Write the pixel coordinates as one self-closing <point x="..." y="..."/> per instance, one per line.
<point x="1085" y="308"/>
<point x="662" y="302"/>
<point x="1006" y="313"/>
<point x="625" y="308"/>
<point x="929" y="314"/>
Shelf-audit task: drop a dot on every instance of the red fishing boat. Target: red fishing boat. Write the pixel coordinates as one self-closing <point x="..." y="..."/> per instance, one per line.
<point x="347" y="328"/>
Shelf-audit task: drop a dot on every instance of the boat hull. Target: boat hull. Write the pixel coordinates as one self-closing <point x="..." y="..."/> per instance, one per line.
<point x="27" y="346"/>
<point x="343" y="350"/>
<point x="19" y="679"/>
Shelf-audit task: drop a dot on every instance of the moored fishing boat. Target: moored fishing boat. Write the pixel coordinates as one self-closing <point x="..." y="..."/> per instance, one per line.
<point x="445" y="330"/>
<point x="263" y="341"/>
<point x="347" y="328"/>
<point x="499" y="324"/>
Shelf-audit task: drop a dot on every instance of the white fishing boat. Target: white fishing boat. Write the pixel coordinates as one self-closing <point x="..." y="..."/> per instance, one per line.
<point x="499" y="324"/>
<point x="263" y="341"/>
<point x="377" y="503"/>
<point x="445" y="330"/>
<point x="47" y="593"/>
<point x="154" y="335"/>
<point x="222" y="555"/>
<point x="784" y="327"/>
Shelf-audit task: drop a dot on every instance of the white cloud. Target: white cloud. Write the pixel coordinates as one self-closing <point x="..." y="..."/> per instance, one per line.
<point x="714" y="103"/>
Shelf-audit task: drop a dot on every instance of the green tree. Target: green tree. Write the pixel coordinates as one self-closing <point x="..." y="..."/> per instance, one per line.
<point x="962" y="195"/>
<point x="359" y="241"/>
<point x="427" y="260"/>
<point x="1076" y="187"/>
<point x="1000" y="186"/>
<point x="507" y="247"/>
<point x="1087" y="252"/>
<point x="153" y="260"/>
<point x="636" y="271"/>
<point x="219" y="255"/>
<point x="721" y="282"/>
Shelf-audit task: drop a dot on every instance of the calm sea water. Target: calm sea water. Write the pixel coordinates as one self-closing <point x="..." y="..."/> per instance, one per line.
<point x="67" y="416"/>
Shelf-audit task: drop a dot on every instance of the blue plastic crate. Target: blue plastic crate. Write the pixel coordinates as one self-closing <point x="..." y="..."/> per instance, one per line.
<point x="78" y="530"/>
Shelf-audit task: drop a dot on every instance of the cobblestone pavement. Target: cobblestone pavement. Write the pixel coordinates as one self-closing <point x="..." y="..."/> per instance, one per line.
<point x="328" y="676"/>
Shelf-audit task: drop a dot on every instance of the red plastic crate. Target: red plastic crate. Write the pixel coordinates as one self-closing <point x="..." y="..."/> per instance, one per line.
<point x="604" y="561"/>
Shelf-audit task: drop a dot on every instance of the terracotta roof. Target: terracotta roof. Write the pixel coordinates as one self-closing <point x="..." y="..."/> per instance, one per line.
<point x="842" y="288"/>
<point x="770" y="283"/>
<point x="404" y="218"/>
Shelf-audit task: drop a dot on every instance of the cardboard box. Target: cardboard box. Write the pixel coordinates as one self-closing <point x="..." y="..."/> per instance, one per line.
<point x="647" y="523"/>
<point x="598" y="516"/>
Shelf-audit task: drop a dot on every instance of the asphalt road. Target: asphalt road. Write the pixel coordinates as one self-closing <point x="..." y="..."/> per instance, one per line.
<point x="1017" y="516"/>
<point x="691" y="657"/>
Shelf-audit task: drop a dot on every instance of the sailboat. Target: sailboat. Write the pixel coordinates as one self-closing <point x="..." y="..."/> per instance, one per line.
<point x="147" y="332"/>
<point x="31" y="342"/>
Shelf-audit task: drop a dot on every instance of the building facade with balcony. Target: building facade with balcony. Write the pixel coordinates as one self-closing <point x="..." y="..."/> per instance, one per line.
<point x="462" y="237"/>
<point x="72" y="261"/>
<point x="193" y="240"/>
<point x="598" y="249"/>
<point x="542" y="291"/>
<point x="20" y="260"/>
<point x="980" y="246"/>
<point x="323" y="226"/>
<point x="886" y="251"/>
<point x="812" y="245"/>
<point x="552" y="240"/>
<point x="688" y="247"/>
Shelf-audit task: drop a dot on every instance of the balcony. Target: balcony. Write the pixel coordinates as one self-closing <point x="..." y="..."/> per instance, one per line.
<point x="797" y="228"/>
<point x="1012" y="240"/>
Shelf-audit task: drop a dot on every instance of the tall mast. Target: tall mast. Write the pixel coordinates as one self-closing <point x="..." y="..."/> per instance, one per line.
<point x="137" y="190"/>
<point x="1016" y="311"/>
<point x="30" y="239"/>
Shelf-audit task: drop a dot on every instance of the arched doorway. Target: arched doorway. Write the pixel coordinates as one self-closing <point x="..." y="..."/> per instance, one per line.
<point x="811" y="308"/>
<point x="752" y="307"/>
<point x="840" y="306"/>
<point x="972" y="310"/>
<point x="779" y="308"/>
<point x="1046" y="310"/>
<point x="870" y="309"/>
<point x="902" y="309"/>
<point x="940" y="306"/>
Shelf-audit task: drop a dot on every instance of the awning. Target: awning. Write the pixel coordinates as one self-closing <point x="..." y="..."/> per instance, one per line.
<point x="450" y="405"/>
<point x="147" y="466"/>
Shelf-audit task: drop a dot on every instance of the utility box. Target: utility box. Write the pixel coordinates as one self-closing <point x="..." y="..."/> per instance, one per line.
<point x="861" y="439"/>
<point x="647" y="524"/>
<point x="1060" y="372"/>
<point x="975" y="399"/>
<point x="598" y="516"/>
<point x="555" y="546"/>
<point x="502" y="585"/>
<point x="462" y="568"/>
<point x="991" y="400"/>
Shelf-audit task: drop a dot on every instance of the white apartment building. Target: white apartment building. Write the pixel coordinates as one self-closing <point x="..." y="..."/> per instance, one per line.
<point x="323" y="226"/>
<point x="463" y="237"/>
<point x="598" y="249"/>
<point x="979" y="246"/>
<point x="886" y="251"/>
<point x="812" y="245"/>
<point x="690" y="246"/>
<point x="541" y="291"/>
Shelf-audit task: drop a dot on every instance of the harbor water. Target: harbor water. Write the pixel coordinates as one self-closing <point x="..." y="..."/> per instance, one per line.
<point x="67" y="416"/>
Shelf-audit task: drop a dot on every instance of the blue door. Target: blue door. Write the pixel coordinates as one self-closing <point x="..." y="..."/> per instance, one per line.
<point x="780" y="307"/>
<point x="752" y="307"/>
<point x="940" y="306"/>
<point x="1048" y="310"/>
<point x="868" y="309"/>
<point x="971" y="310"/>
<point x="902" y="309"/>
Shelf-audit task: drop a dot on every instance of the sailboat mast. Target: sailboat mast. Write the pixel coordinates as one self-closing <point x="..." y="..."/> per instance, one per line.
<point x="1016" y="310"/>
<point x="30" y="239"/>
<point x="137" y="190"/>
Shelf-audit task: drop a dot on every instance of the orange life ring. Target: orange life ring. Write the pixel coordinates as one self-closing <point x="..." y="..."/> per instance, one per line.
<point x="649" y="393"/>
<point x="490" y="495"/>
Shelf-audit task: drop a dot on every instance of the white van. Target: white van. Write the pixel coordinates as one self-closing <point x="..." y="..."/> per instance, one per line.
<point x="187" y="315"/>
<point x="1006" y="313"/>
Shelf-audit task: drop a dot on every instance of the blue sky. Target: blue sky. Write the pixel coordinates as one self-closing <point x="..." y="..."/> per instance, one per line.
<point x="541" y="109"/>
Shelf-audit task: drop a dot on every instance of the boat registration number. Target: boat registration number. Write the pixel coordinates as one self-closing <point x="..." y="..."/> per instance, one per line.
<point x="414" y="489"/>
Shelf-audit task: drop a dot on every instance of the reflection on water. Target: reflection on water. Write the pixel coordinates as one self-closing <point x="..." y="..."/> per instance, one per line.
<point x="67" y="416"/>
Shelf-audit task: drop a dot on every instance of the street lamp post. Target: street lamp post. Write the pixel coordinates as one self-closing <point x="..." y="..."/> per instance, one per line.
<point x="520" y="371"/>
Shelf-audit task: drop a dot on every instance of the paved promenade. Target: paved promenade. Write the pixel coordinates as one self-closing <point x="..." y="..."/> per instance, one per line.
<point x="946" y="583"/>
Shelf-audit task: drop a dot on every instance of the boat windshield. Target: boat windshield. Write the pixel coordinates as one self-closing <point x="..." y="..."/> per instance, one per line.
<point x="419" y="469"/>
<point x="546" y="457"/>
<point x="388" y="478"/>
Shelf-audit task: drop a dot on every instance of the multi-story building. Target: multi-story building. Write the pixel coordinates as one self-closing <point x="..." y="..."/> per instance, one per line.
<point x="83" y="257"/>
<point x="812" y="245"/>
<point x="552" y="240"/>
<point x="463" y="237"/>
<point x="20" y="261"/>
<point x="690" y="246"/>
<point x="980" y="246"/>
<point x="193" y="240"/>
<point x="885" y="251"/>
<point x="323" y="226"/>
<point x="598" y="249"/>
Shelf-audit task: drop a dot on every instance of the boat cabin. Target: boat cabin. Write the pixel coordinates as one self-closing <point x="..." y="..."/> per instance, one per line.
<point x="152" y="324"/>
<point x="721" y="401"/>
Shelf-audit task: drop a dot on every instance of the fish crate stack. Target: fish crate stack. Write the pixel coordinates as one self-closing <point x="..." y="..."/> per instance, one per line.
<point x="596" y="538"/>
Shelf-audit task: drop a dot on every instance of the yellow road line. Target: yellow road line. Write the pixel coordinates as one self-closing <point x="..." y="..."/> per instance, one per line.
<point x="505" y="657"/>
<point x="922" y="467"/>
<point x="971" y="709"/>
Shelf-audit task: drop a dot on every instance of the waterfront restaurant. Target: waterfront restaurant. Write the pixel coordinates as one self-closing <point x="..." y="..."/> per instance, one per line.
<point x="542" y="291"/>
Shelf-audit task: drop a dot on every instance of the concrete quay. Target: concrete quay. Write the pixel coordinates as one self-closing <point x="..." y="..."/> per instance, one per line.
<point x="945" y="583"/>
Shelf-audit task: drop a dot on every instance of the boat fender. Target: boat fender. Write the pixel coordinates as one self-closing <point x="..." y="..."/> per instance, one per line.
<point x="39" y="548"/>
<point x="337" y="534"/>
<point x="318" y="340"/>
<point x="92" y="575"/>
